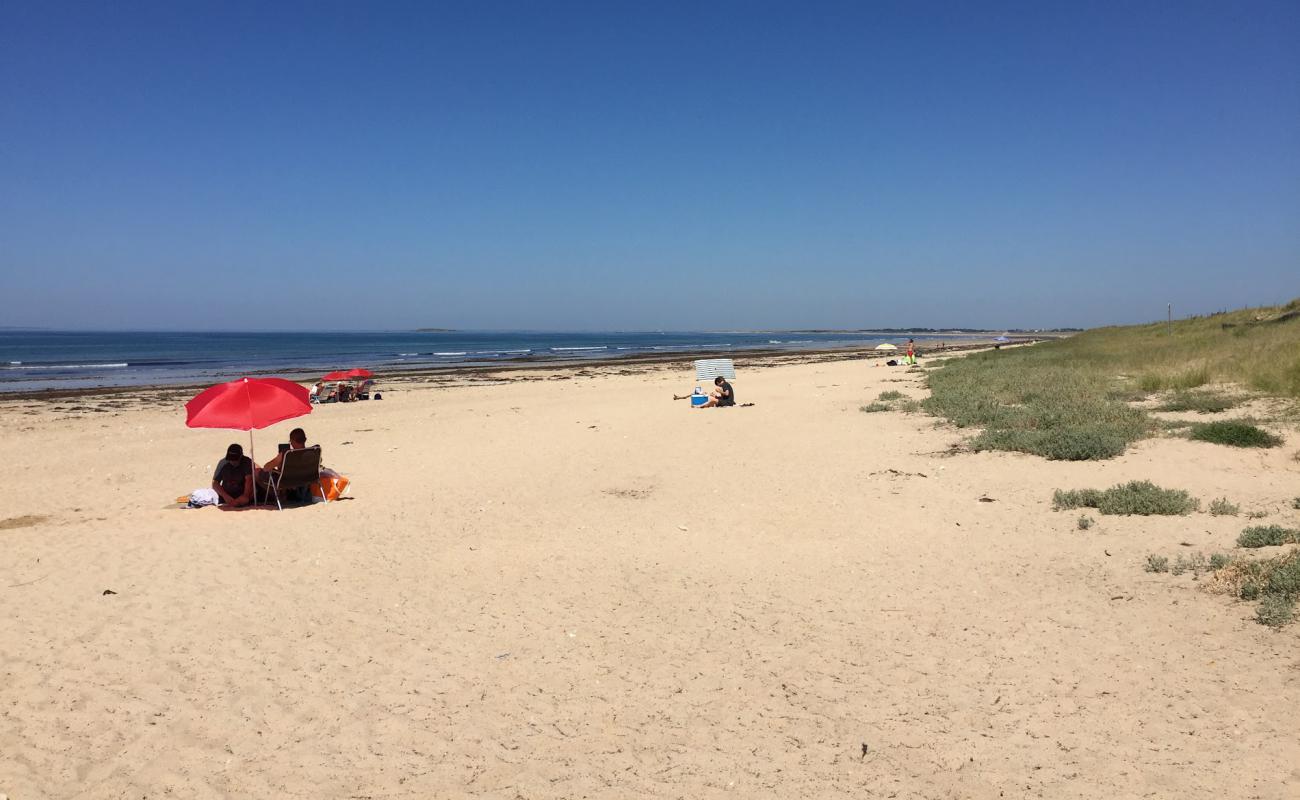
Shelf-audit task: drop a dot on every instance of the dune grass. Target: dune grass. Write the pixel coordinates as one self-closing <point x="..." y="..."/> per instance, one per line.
<point x="1069" y="399"/>
<point x="1200" y="402"/>
<point x="891" y="400"/>
<point x="1036" y="406"/>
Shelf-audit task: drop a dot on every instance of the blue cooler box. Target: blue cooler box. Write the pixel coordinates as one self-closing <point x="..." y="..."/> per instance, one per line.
<point x="699" y="399"/>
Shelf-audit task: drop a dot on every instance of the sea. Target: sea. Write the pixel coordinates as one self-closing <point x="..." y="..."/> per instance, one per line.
<point x="38" y="360"/>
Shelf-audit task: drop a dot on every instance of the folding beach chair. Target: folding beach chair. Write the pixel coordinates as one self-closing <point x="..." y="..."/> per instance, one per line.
<point x="298" y="468"/>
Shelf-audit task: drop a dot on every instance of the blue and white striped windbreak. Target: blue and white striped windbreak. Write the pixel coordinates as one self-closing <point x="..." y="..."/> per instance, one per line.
<point x="706" y="369"/>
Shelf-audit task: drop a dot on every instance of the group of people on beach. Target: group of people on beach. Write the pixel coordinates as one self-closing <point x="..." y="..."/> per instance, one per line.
<point x="236" y="475"/>
<point x="341" y="392"/>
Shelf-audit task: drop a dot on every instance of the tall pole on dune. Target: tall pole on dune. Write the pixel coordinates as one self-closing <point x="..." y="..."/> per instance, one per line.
<point x="1169" y="309"/>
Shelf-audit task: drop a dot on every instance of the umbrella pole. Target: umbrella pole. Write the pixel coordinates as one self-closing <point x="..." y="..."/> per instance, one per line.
<point x="252" y="454"/>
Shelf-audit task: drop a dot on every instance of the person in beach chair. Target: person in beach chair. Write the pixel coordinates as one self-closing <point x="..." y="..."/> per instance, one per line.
<point x="297" y="441"/>
<point x="233" y="478"/>
<point x="722" y="396"/>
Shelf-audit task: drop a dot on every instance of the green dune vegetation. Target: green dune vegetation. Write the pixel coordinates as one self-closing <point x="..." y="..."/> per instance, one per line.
<point x="1071" y="399"/>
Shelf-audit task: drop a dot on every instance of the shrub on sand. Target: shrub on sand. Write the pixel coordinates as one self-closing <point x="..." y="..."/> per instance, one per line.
<point x="1157" y="563"/>
<point x="872" y="408"/>
<point x="1275" y="610"/>
<point x="1274" y="582"/>
<point x="1064" y="500"/>
<point x="1142" y="498"/>
<point x="1222" y="508"/>
<point x="1234" y="434"/>
<point x="892" y="394"/>
<point x="1267" y="536"/>
<point x="1084" y="443"/>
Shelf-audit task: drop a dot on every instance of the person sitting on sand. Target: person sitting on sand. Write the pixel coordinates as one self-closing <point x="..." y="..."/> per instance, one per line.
<point x="233" y="478"/>
<point x="723" y="396"/>
<point x="314" y="394"/>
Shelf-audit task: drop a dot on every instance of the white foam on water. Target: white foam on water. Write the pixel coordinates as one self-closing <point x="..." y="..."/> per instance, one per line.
<point x="74" y="366"/>
<point x="565" y="349"/>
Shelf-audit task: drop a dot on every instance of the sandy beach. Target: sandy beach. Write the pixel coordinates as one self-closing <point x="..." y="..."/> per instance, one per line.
<point x="553" y="584"/>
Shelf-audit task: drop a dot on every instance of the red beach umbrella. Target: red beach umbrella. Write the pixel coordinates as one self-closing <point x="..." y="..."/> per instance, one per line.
<point x="247" y="404"/>
<point x="336" y="375"/>
<point x="359" y="372"/>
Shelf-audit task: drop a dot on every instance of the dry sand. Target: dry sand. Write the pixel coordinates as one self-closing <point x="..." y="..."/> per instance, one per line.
<point x="571" y="586"/>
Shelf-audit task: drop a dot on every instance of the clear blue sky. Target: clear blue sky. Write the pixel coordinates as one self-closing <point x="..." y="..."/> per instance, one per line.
<point x="645" y="165"/>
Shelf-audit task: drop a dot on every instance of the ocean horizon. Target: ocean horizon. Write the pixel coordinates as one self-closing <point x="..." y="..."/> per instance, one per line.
<point x="33" y="360"/>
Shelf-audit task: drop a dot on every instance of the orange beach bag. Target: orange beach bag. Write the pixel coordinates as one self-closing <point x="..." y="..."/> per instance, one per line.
<point x="334" y="487"/>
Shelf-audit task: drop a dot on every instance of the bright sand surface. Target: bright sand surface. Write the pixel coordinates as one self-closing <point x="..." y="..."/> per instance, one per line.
<point x="555" y="586"/>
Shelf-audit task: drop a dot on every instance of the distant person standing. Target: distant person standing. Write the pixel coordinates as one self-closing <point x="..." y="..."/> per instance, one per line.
<point x="911" y="351"/>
